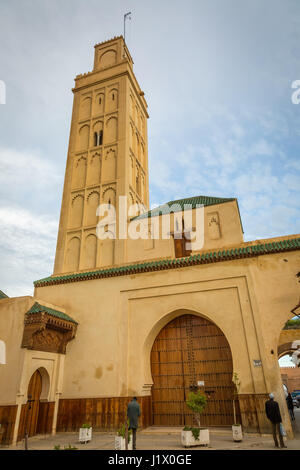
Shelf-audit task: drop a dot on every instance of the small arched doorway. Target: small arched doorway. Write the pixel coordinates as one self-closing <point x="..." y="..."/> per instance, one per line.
<point x="33" y="403"/>
<point x="188" y="351"/>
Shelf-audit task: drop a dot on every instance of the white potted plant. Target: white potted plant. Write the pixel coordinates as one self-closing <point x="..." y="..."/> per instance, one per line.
<point x="85" y="433"/>
<point x="237" y="433"/>
<point x="120" y="443"/>
<point x="195" y="436"/>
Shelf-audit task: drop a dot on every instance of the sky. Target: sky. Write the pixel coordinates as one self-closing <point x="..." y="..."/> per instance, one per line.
<point x="217" y="76"/>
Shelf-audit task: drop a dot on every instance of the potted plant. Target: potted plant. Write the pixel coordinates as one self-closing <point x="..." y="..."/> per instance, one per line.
<point x="195" y="436"/>
<point x="85" y="433"/>
<point x="236" y="427"/>
<point x="120" y="438"/>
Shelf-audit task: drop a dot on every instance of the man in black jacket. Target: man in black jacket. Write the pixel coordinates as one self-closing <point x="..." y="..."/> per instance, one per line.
<point x="273" y="414"/>
<point x="290" y="405"/>
<point x="133" y="413"/>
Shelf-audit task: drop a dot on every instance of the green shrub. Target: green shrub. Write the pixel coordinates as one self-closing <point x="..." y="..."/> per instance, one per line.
<point x="196" y="402"/>
<point x="122" y="432"/>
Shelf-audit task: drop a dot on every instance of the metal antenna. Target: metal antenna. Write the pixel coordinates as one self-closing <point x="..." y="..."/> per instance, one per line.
<point x="127" y="15"/>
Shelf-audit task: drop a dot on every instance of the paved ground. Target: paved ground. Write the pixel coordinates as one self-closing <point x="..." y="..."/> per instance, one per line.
<point x="156" y="438"/>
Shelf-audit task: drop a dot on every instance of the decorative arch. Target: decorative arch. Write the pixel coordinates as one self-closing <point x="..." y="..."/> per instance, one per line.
<point x="94" y="170"/>
<point x="84" y="133"/>
<point x="93" y="200"/>
<point x="131" y="106"/>
<point x="112" y="100"/>
<point x="131" y="170"/>
<point x="131" y="199"/>
<point x="142" y="148"/>
<point x="109" y="195"/>
<point x="131" y="137"/>
<point x="108" y="58"/>
<point x="77" y="211"/>
<point x="160" y="324"/>
<point x="73" y="254"/>
<point x="45" y="377"/>
<point x="38" y="389"/>
<point x="90" y="251"/>
<point x="99" y="103"/>
<point x="98" y="134"/>
<point x="109" y="165"/>
<point x="137" y="145"/>
<point x="79" y="172"/>
<point x="85" y="108"/>
<point x="111" y="130"/>
<point x="189" y="349"/>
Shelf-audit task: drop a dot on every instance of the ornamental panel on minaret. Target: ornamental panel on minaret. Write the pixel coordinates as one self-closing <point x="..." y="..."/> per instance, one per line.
<point x="107" y="158"/>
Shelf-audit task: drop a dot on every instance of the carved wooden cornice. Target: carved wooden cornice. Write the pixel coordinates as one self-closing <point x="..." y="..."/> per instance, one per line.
<point x="44" y="331"/>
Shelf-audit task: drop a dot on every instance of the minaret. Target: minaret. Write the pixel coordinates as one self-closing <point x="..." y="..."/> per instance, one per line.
<point x="107" y="158"/>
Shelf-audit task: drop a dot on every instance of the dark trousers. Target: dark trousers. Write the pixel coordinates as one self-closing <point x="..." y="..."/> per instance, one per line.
<point x="133" y="439"/>
<point x="276" y="430"/>
<point x="292" y="413"/>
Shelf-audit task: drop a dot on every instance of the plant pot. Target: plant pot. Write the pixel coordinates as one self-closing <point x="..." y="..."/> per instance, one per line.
<point x="237" y="432"/>
<point x="85" y="435"/>
<point x="189" y="440"/>
<point x="120" y="443"/>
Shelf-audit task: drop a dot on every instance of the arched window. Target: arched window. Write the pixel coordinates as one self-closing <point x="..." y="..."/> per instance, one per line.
<point x="98" y="138"/>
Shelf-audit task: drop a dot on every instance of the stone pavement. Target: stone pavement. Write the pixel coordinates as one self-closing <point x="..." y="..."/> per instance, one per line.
<point x="157" y="438"/>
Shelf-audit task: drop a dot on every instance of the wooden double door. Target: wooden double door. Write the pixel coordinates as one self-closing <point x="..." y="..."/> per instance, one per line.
<point x="188" y="352"/>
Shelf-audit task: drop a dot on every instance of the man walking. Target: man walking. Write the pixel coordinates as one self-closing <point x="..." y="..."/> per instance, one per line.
<point x="273" y="414"/>
<point x="133" y="413"/>
<point x="290" y="405"/>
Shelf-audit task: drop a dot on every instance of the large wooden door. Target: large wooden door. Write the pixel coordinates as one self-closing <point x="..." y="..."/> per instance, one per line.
<point x="32" y="408"/>
<point x="187" y="350"/>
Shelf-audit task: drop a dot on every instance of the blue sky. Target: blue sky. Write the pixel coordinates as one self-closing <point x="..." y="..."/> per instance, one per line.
<point x="217" y="77"/>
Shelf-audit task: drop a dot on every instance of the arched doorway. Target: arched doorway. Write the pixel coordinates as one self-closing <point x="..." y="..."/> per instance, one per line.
<point x="33" y="404"/>
<point x="37" y="413"/>
<point x="188" y="350"/>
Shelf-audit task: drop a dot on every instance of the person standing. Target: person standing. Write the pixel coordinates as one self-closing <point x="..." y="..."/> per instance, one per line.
<point x="273" y="414"/>
<point x="133" y="413"/>
<point x="290" y="405"/>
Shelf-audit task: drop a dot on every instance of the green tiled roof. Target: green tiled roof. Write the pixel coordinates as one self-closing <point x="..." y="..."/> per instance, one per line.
<point x="247" y="251"/>
<point x="37" y="308"/>
<point x="192" y="201"/>
<point x="3" y="295"/>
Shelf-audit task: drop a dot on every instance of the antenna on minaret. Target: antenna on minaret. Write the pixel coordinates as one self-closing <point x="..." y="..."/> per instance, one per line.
<point x="127" y="15"/>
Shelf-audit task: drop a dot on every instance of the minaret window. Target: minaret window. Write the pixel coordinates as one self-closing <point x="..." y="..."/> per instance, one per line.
<point x="98" y="138"/>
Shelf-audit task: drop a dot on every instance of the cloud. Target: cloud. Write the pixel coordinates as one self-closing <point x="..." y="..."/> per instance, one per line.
<point x="25" y="169"/>
<point x="27" y="249"/>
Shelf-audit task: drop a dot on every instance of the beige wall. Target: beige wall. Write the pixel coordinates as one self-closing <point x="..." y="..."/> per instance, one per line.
<point x="11" y="332"/>
<point x="248" y="299"/>
<point x="226" y="233"/>
<point x="22" y="363"/>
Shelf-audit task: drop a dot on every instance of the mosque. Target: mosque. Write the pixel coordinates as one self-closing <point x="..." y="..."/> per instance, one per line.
<point x="153" y="316"/>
